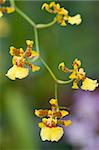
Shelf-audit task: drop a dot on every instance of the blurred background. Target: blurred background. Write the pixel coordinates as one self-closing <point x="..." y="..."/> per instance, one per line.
<point x="18" y="99"/>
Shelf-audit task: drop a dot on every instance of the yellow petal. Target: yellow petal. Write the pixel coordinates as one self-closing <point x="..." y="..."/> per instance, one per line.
<point x="12" y="48"/>
<point x="64" y="113"/>
<point x="75" y="85"/>
<point x="17" y="72"/>
<point x="41" y="113"/>
<point x="73" y="75"/>
<point x="21" y="51"/>
<point x="45" y="6"/>
<point x="50" y="113"/>
<point x="44" y="120"/>
<point x="37" y="113"/>
<point x="35" y="68"/>
<point x="81" y="71"/>
<point x="41" y="125"/>
<point x="63" y="12"/>
<point x="51" y="134"/>
<point x="14" y="51"/>
<point x="89" y="84"/>
<point x="61" y="65"/>
<point x="53" y="102"/>
<point x="75" y="19"/>
<point x="10" y="9"/>
<point x="22" y="72"/>
<point x="56" y="133"/>
<point x="67" y="122"/>
<point x="29" y="42"/>
<point x="45" y="134"/>
<point x="11" y="74"/>
<point x="49" y="121"/>
<point x="34" y="54"/>
<point x="52" y="4"/>
<point x="76" y="63"/>
<point x="63" y="23"/>
<point x="1" y="14"/>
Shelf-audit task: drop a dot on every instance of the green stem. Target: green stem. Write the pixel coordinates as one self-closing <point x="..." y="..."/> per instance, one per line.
<point x="56" y="88"/>
<point x="64" y="82"/>
<point x="45" y="64"/>
<point x="49" y="70"/>
<point x="12" y="3"/>
<point x="41" y="26"/>
<point x="52" y="74"/>
<point x="36" y="39"/>
<point x="25" y="16"/>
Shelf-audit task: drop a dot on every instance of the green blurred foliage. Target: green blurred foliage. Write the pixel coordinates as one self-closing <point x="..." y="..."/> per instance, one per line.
<point x="18" y="99"/>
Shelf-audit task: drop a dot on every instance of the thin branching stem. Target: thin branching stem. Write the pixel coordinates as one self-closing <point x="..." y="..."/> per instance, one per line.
<point x="56" y="91"/>
<point x="36" y="39"/>
<point x="43" y="26"/>
<point x="21" y="13"/>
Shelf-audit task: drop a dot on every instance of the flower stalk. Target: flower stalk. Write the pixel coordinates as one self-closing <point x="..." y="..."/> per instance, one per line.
<point x="36" y="39"/>
<point x="41" y="26"/>
<point x="21" y="13"/>
<point x="56" y="91"/>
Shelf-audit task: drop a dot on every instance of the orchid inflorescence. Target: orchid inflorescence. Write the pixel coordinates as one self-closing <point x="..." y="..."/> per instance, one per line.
<point x="24" y="60"/>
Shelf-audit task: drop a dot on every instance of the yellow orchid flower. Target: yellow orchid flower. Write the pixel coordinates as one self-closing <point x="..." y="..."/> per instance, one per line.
<point x="50" y="129"/>
<point x="21" y="61"/>
<point x="78" y="74"/>
<point x="62" y="16"/>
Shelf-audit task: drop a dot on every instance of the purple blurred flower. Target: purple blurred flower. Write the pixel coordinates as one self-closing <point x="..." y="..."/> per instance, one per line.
<point x="84" y="131"/>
